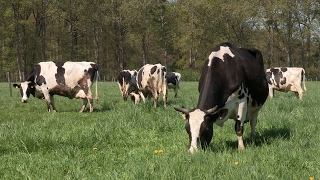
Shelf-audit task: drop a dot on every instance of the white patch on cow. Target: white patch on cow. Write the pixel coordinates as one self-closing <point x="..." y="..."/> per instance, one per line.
<point x="219" y="54"/>
<point x="24" y="87"/>
<point x="195" y="120"/>
<point x="47" y="69"/>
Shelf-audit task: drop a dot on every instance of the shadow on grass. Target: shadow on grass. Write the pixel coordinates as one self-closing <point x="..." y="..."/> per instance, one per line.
<point x="264" y="138"/>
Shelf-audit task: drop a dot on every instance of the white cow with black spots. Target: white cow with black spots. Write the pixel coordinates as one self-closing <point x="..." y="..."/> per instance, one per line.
<point x="151" y="81"/>
<point x="69" y="79"/>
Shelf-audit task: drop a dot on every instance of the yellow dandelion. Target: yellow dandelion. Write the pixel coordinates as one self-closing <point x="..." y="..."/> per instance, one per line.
<point x="156" y="151"/>
<point x="160" y="151"/>
<point x="95" y="148"/>
<point x="236" y="163"/>
<point x="311" y="178"/>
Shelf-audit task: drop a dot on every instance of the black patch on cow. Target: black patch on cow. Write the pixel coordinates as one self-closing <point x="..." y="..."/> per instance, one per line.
<point x="60" y="73"/>
<point x="284" y="81"/>
<point x="40" y="80"/>
<point x="238" y="128"/>
<point x="171" y="78"/>
<point x="34" y="73"/>
<point x="153" y="69"/>
<point x="277" y="76"/>
<point x="164" y="69"/>
<point x="92" y="71"/>
<point x="284" y="69"/>
<point x="124" y="75"/>
<point x="139" y="77"/>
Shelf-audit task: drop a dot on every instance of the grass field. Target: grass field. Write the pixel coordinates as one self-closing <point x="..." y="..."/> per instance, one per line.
<point x="119" y="140"/>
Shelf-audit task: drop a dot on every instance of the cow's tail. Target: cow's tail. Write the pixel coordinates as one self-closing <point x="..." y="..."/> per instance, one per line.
<point x="304" y="80"/>
<point x="97" y="76"/>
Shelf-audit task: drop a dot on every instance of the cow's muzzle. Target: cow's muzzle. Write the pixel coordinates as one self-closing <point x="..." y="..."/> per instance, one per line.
<point x="24" y="100"/>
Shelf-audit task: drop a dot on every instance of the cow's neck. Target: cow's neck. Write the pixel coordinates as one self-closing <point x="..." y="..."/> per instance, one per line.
<point x="210" y="94"/>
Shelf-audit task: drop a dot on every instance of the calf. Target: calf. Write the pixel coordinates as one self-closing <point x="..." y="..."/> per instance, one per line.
<point x="69" y="79"/>
<point x="151" y="81"/>
<point x="173" y="80"/>
<point x="286" y="79"/>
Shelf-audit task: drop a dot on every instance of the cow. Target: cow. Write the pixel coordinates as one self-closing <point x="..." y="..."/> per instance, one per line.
<point x="151" y="81"/>
<point x="286" y="79"/>
<point x="127" y="83"/>
<point x="173" y="80"/>
<point x="69" y="79"/>
<point x="232" y="85"/>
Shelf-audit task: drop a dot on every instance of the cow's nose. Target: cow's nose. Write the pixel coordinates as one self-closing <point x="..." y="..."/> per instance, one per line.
<point x="24" y="101"/>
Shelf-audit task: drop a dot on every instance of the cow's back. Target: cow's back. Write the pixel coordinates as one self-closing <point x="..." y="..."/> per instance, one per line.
<point x="65" y="73"/>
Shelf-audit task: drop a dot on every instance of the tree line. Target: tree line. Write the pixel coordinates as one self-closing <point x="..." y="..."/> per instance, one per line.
<point x="180" y="34"/>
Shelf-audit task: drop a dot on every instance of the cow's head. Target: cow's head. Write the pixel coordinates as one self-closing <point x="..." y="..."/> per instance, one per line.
<point x="125" y="80"/>
<point x="200" y="125"/>
<point x="26" y="88"/>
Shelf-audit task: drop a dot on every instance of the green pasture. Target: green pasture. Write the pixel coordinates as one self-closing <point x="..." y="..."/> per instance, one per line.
<point x="123" y="141"/>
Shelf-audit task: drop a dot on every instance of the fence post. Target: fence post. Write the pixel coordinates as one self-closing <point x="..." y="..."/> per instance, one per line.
<point x="9" y="82"/>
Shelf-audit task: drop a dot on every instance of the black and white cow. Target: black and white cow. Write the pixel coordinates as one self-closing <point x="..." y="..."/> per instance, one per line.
<point x="286" y="79"/>
<point x="151" y="81"/>
<point x="69" y="79"/>
<point x="127" y="83"/>
<point x="173" y="80"/>
<point x="232" y="85"/>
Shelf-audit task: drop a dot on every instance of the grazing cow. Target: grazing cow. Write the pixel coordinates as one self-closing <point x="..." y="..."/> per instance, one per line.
<point x="69" y="79"/>
<point x="173" y="80"/>
<point x="127" y="83"/>
<point x="286" y="79"/>
<point x="232" y="85"/>
<point x="151" y="81"/>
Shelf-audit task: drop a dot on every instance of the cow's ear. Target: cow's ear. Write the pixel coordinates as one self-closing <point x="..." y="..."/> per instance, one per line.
<point x="222" y="113"/>
<point x="32" y="84"/>
<point x="215" y="114"/>
<point x="16" y="85"/>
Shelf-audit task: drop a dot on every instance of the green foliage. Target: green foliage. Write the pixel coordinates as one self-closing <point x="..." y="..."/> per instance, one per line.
<point x="189" y="75"/>
<point x="35" y="144"/>
<point x="123" y="33"/>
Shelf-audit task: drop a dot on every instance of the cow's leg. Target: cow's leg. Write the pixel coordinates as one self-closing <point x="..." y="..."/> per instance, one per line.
<point x="175" y="91"/>
<point x="253" y="123"/>
<point x="271" y="92"/>
<point x="85" y="102"/>
<point x="90" y="104"/>
<point x="165" y="96"/>
<point x="155" y="96"/>
<point x="298" y="90"/>
<point x="47" y="97"/>
<point x="52" y="103"/>
<point x="242" y="111"/>
<point x="142" y="96"/>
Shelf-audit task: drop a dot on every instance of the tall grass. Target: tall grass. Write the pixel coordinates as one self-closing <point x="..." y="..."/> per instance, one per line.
<point x="118" y="140"/>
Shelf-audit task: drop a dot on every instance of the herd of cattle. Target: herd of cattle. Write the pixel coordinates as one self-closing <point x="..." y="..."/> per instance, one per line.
<point x="233" y="85"/>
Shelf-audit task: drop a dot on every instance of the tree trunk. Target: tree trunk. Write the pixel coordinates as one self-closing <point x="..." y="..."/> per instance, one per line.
<point x="16" y="29"/>
<point x="165" y="60"/>
<point x="96" y="43"/>
<point x="43" y="32"/>
<point x="143" y="47"/>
